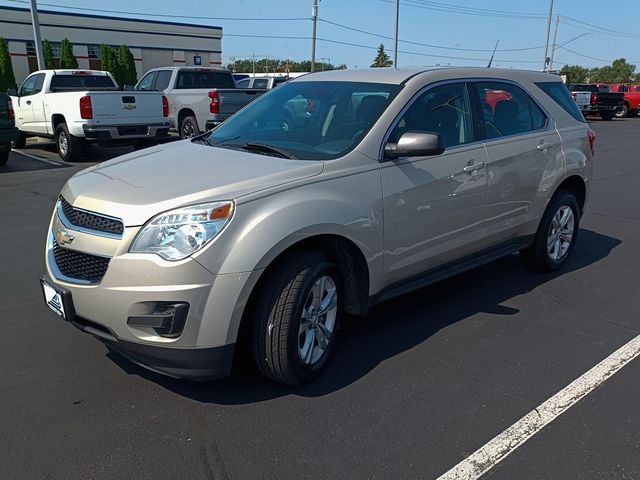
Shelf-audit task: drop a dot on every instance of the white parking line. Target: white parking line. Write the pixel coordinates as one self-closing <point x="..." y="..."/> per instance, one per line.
<point x="51" y="162"/>
<point x="488" y="456"/>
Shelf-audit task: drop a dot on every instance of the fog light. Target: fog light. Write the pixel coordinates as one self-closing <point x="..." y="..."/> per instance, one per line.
<point x="167" y="319"/>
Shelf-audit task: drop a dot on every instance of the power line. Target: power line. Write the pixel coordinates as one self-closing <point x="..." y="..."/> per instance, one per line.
<point x="428" y="44"/>
<point x="449" y="8"/>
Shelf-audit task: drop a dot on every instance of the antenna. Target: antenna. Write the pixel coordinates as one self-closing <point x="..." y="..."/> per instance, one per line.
<point x="494" y="52"/>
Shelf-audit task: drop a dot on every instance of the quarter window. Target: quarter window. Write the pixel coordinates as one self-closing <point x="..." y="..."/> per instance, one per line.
<point x="508" y="110"/>
<point x="560" y="94"/>
<point x="444" y="110"/>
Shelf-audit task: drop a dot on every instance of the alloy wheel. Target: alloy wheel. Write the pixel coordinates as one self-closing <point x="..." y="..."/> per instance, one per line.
<point x="318" y="320"/>
<point x="560" y="233"/>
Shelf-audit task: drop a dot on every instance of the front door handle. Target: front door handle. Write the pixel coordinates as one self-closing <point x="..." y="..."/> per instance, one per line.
<point x="473" y="166"/>
<point x="544" y="145"/>
<point x="28" y="102"/>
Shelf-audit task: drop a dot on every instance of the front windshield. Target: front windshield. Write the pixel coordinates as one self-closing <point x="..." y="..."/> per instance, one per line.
<point x="307" y="120"/>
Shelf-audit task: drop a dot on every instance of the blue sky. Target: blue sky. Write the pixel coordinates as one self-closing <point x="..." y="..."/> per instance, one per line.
<point x="421" y="21"/>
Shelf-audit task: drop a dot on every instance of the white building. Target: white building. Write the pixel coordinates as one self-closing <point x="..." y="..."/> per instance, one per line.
<point x="153" y="43"/>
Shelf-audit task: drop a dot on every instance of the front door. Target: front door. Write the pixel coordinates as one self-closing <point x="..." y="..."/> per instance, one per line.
<point x="24" y="107"/>
<point x="434" y="205"/>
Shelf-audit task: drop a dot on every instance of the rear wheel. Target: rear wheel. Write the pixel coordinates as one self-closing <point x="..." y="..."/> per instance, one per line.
<point x="624" y="112"/>
<point x="21" y="141"/>
<point x="189" y="128"/>
<point x="556" y="235"/>
<point x="4" y="153"/>
<point x="606" y="115"/>
<point x="297" y="317"/>
<point x="69" y="148"/>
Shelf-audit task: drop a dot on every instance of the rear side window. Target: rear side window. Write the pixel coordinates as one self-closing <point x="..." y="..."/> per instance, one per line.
<point x="82" y="82"/>
<point x="260" y="83"/>
<point x="163" y="79"/>
<point x="560" y="94"/>
<point x="508" y="110"/>
<point x="204" y="79"/>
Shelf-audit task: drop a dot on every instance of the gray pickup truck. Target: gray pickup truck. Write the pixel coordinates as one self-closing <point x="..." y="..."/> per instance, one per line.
<point x="200" y="98"/>
<point x="8" y="131"/>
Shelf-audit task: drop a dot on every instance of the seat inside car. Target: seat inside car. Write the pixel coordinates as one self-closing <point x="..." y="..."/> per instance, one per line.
<point x="506" y="116"/>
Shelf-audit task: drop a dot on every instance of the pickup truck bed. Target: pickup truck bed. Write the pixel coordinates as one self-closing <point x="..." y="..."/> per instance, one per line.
<point x="606" y="104"/>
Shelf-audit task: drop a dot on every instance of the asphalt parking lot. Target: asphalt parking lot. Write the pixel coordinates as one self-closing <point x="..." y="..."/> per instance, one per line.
<point x="413" y="389"/>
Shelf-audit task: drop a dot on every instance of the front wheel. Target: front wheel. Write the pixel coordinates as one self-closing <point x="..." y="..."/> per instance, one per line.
<point x="69" y="148"/>
<point x="20" y="141"/>
<point x="624" y="112"/>
<point x="297" y="317"/>
<point x="606" y="116"/>
<point x="556" y="236"/>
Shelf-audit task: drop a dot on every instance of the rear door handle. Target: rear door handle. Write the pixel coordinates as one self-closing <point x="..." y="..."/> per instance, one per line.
<point x="544" y="145"/>
<point x="473" y="166"/>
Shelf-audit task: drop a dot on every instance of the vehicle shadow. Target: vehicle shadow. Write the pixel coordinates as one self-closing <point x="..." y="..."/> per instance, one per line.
<point x="392" y="328"/>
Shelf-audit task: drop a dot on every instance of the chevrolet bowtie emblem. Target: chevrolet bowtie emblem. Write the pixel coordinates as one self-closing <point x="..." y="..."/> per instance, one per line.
<point x="129" y="106"/>
<point x="63" y="237"/>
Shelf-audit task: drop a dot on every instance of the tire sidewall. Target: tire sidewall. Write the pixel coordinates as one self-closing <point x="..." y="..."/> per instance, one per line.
<point x="62" y="130"/>
<point x="323" y="268"/>
<point x="563" y="199"/>
<point x="194" y="124"/>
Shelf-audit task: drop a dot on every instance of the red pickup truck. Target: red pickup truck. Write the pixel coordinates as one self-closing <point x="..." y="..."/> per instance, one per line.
<point x="631" y="99"/>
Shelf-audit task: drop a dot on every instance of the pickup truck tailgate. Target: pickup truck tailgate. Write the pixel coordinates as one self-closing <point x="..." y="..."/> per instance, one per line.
<point x="232" y="100"/>
<point x="126" y="108"/>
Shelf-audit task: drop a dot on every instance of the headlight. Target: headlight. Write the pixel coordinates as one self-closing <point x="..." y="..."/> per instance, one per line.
<point x="177" y="234"/>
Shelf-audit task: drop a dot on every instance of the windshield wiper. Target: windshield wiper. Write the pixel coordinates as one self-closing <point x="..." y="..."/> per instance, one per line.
<point x="263" y="147"/>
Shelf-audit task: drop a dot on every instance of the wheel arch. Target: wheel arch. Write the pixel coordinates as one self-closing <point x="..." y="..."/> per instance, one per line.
<point x="184" y="113"/>
<point x="57" y="119"/>
<point x="576" y="185"/>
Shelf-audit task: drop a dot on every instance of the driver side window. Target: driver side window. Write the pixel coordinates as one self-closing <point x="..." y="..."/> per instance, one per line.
<point x="147" y="82"/>
<point x="444" y="109"/>
<point x="32" y="85"/>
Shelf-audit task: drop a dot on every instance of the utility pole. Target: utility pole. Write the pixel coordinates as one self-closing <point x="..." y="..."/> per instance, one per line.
<point x="555" y="36"/>
<point x="266" y="64"/>
<point x="314" y="21"/>
<point x="546" y="43"/>
<point x="395" y="36"/>
<point x="253" y="57"/>
<point x="36" y="35"/>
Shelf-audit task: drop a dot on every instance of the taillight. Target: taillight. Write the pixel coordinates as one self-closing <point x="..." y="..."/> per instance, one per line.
<point x="574" y="95"/>
<point x="591" y="136"/>
<point x="86" y="111"/>
<point x="12" y="115"/>
<point x="165" y="106"/>
<point x="594" y="99"/>
<point x="214" y="106"/>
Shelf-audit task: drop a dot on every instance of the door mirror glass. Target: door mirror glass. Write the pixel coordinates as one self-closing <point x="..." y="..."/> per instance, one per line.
<point x="12" y="92"/>
<point x="415" y="144"/>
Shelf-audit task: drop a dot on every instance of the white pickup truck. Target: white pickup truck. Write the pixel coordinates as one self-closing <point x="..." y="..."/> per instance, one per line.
<point x="77" y="106"/>
<point x="200" y="98"/>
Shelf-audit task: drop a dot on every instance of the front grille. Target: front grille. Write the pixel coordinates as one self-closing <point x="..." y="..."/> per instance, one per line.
<point x="90" y="221"/>
<point x="78" y="265"/>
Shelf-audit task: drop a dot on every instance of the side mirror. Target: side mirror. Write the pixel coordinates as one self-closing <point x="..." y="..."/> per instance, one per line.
<point x="128" y="88"/>
<point x="415" y="144"/>
<point x="12" y="92"/>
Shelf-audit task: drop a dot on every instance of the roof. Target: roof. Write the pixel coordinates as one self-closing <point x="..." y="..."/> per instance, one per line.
<point x="402" y="75"/>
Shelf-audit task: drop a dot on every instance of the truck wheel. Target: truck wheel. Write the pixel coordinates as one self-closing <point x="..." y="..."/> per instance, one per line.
<point x="556" y="235"/>
<point x="606" y="116"/>
<point x="297" y="316"/>
<point x="69" y="148"/>
<point x="624" y="112"/>
<point x="189" y="128"/>
<point x="20" y="141"/>
<point x="4" y="153"/>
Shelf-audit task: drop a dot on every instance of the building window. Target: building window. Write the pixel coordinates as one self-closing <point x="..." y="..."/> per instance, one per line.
<point x="94" y="51"/>
<point x="55" y="48"/>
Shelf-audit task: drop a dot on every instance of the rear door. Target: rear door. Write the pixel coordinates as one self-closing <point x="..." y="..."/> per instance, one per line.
<point x="434" y="205"/>
<point x="522" y="143"/>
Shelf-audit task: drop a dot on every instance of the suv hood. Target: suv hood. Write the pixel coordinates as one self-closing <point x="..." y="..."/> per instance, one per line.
<point x="139" y="185"/>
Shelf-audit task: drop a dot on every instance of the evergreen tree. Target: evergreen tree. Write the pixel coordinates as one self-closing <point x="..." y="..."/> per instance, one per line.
<point x="107" y="59"/>
<point x="67" y="60"/>
<point x="7" y="79"/>
<point x="126" y="67"/>
<point x="47" y="52"/>
<point x="382" y="59"/>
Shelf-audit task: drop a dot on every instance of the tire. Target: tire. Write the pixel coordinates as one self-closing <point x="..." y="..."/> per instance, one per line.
<point x="21" y="141"/>
<point x="624" y="112"/>
<point x="189" y="128"/>
<point x="606" y="116"/>
<point x="5" y="150"/>
<point x="69" y="148"/>
<point x="543" y="258"/>
<point x="286" y="348"/>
